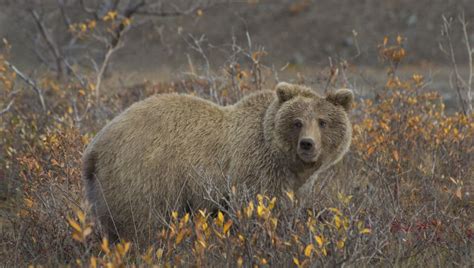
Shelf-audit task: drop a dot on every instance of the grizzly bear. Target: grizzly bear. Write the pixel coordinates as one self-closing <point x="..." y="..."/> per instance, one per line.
<point x="158" y="155"/>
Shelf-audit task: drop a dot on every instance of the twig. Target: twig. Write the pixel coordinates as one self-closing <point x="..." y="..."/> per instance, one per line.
<point x="177" y="12"/>
<point x="66" y="18"/>
<point x="470" y="52"/>
<point x="88" y="10"/>
<point x="30" y="82"/>
<point x="459" y="80"/>
<point x="114" y="45"/>
<point x="6" y="109"/>
<point x="50" y="42"/>
<point x="102" y="69"/>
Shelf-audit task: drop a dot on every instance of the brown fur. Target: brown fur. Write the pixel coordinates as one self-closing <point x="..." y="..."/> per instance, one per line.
<point x="156" y="156"/>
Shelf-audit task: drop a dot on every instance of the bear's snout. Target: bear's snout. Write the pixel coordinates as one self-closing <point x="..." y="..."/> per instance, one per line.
<point x="307" y="145"/>
<point x="308" y="149"/>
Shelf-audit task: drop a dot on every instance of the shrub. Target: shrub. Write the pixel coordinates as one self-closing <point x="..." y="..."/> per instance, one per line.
<point x="402" y="196"/>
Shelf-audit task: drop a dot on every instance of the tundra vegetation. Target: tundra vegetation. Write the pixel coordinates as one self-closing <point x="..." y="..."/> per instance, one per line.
<point x="402" y="196"/>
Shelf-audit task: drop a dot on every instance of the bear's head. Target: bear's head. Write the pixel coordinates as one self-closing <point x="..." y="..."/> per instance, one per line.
<point x="310" y="130"/>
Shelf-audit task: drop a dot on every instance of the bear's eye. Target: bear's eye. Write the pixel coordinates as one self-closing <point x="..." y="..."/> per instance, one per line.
<point x="322" y="123"/>
<point x="298" y="123"/>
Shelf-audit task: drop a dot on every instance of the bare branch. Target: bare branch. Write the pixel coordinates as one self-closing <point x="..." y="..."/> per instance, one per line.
<point x="458" y="78"/>
<point x="50" y="42"/>
<point x="102" y="69"/>
<point x="470" y="52"/>
<point x="149" y="11"/>
<point x="30" y="82"/>
<point x="115" y="44"/>
<point x="88" y="10"/>
<point x="66" y="18"/>
<point x="7" y="108"/>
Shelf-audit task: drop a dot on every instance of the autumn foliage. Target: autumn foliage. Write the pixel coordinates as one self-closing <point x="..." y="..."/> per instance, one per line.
<point x="403" y="195"/>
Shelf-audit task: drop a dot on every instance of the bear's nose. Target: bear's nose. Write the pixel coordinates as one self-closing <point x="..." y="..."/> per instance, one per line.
<point x="306" y="144"/>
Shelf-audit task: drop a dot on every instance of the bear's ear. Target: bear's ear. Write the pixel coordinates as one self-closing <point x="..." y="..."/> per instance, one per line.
<point x="285" y="91"/>
<point x="343" y="97"/>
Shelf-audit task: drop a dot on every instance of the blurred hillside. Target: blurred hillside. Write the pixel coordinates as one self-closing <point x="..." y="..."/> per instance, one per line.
<point x="301" y="32"/>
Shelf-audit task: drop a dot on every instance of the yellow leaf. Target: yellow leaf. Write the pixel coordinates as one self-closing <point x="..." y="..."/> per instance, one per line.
<point x="83" y="27"/>
<point x="240" y="262"/>
<point x="272" y="203"/>
<point x="291" y="195"/>
<point x="74" y="225"/>
<point x="399" y="39"/>
<point x="296" y="261"/>
<point x="202" y="213"/>
<point x="87" y="231"/>
<point x="319" y="240"/>
<point x="81" y="216"/>
<point x="174" y="214"/>
<point x="126" y="21"/>
<point x="203" y="226"/>
<point x="340" y="244"/>
<point x="202" y="243"/>
<point x="126" y="247"/>
<point x="220" y="218"/>
<point x="159" y="253"/>
<point x="91" y="24"/>
<point x="365" y="231"/>
<point x="335" y="210"/>
<point x="77" y="236"/>
<point x="371" y="150"/>
<point x="93" y="262"/>
<point x="260" y="210"/>
<point x="274" y="222"/>
<point x="346" y="223"/>
<point x="337" y="221"/>
<point x="111" y="15"/>
<point x="185" y="219"/>
<point x="180" y="236"/>
<point x="227" y="226"/>
<point x="105" y="246"/>
<point x="147" y="257"/>
<point x="249" y="209"/>
<point x="308" y="250"/>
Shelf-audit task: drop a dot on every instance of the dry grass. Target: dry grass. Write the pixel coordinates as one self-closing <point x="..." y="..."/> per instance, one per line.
<point x="402" y="196"/>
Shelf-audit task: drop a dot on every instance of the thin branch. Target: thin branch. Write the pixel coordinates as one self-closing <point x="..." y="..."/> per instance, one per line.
<point x="30" y="82"/>
<point x="159" y="13"/>
<point x="451" y="54"/>
<point x="175" y="13"/>
<point x="64" y="15"/>
<point x="88" y="10"/>
<point x="470" y="52"/>
<point x="50" y="42"/>
<point x="102" y="69"/>
<point x="115" y="44"/>
<point x="6" y="109"/>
